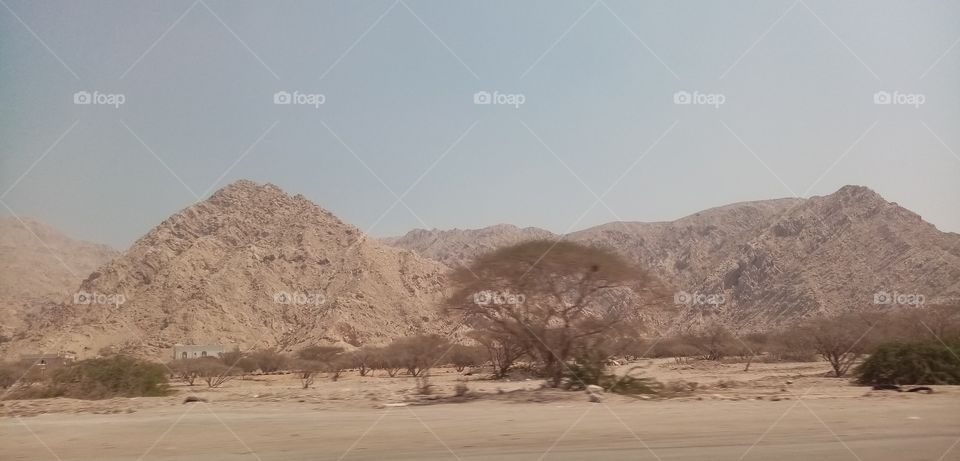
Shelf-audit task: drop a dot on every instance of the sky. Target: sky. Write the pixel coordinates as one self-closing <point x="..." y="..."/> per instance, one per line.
<point x="408" y="114"/>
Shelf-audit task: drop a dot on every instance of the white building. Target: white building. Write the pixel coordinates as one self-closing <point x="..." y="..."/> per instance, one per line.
<point x="193" y="351"/>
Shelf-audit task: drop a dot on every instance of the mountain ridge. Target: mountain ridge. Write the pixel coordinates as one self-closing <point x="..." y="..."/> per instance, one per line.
<point x="768" y="258"/>
<point x="257" y="267"/>
<point x="41" y="264"/>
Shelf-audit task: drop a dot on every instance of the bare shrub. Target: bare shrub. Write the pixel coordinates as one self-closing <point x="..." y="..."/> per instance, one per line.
<point x="212" y="371"/>
<point x="503" y="350"/>
<point x="940" y="321"/>
<point x="714" y="342"/>
<point x="335" y="366"/>
<point x="330" y="359"/>
<point x="418" y="354"/>
<point x="839" y="340"/>
<point x="364" y="359"/>
<point x="185" y="370"/>
<point x="239" y="360"/>
<point x="675" y="347"/>
<point x="792" y="345"/>
<point x="231" y="357"/>
<point x="462" y="356"/>
<point x="269" y="360"/>
<point x="390" y="360"/>
<point x="943" y="321"/>
<point x="307" y="371"/>
<point x="322" y="354"/>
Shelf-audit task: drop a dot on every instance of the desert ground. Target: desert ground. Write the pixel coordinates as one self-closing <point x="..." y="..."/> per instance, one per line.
<point x="783" y="411"/>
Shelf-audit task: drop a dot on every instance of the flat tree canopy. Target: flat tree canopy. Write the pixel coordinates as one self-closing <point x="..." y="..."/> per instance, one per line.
<point x="547" y="294"/>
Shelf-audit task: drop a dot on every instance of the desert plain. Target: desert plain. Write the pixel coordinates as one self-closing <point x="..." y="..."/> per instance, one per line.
<point x="718" y="411"/>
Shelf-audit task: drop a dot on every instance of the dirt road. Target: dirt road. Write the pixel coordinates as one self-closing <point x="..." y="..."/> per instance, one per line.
<point x="916" y="427"/>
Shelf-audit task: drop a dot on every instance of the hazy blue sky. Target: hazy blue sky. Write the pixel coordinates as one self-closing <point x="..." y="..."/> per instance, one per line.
<point x="598" y="79"/>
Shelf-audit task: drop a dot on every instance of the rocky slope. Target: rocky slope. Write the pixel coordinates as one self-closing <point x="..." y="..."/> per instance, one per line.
<point x="40" y="264"/>
<point x="457" y="247"/>
<point x="250" y="266"/>
<point x="759" y="264"/>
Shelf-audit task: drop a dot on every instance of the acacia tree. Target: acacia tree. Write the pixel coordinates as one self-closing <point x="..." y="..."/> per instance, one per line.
<point x="462" y="356"/>
<point x="322" y="354"/>
<point x="713" y="341"/>
<point x="316" y="358"/>
<point x="418" y="354"/>
<point x="549" y="295"/>
<point x="307" y="371"/>
<point x="269" y="360"/>
<point x="502" y="350"/>
<point x="363" y="359"/>
<point x="840" y="340"/>
<point x="388" y="360"/>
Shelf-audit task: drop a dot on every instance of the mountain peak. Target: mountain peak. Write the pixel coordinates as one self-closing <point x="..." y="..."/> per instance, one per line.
<point x="853" y="192"/>
<point x="214" y="272"/>
<point x="245" y="188"/>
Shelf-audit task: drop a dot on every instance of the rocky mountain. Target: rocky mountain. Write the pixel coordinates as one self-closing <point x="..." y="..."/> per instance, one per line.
<point x="255" y="267"/>
<point x="250" y="266"/>
<point x="457" y="247"/>
<point x="40" y="265"/>
<point x="759" y="264"/>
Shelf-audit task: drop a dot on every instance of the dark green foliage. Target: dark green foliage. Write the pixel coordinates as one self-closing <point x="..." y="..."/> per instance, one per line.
<point x="918" y="362"/>
<point x="116" y="376"/>
<point x="581" y="375"/>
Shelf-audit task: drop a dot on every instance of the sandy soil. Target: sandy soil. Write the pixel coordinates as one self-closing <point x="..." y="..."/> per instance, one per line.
<point x="776" y="411"/>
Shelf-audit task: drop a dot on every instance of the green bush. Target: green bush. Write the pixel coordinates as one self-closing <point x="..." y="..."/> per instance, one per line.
<point x="918" y="362"/>
<point x="630" y="385"/>
<point x="116" y="376"/>
<point x="580" y="375"/>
